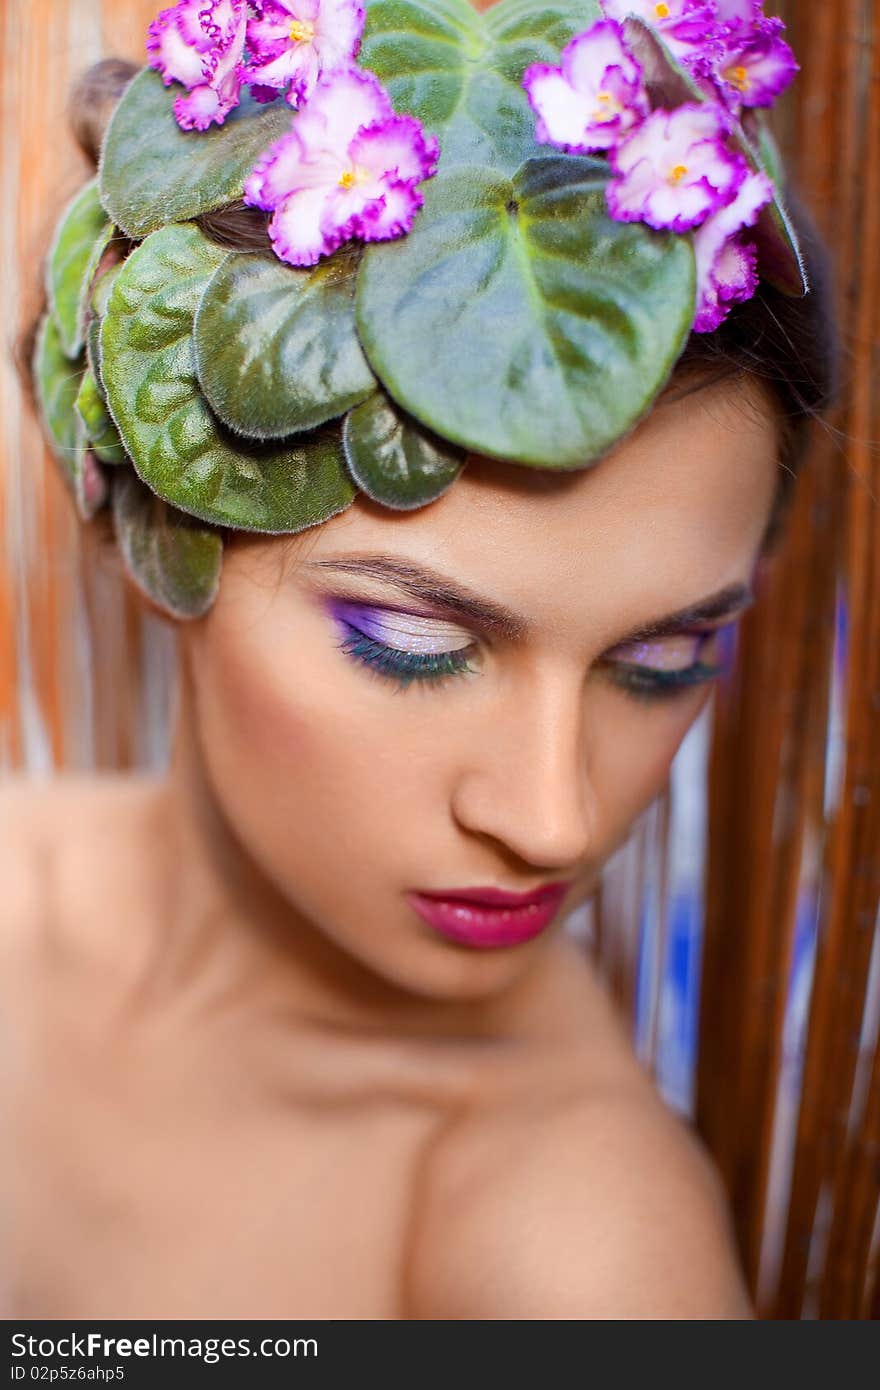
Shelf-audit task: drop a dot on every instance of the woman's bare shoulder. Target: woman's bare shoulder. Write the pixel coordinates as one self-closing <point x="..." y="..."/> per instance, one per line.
<point x="64" y="843"/>
<point x="594" y="1202"/>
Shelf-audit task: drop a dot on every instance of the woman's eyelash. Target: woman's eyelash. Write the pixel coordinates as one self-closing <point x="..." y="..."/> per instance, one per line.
<point x="404" y="668"/>
<point x="661" y="685"/>
<point x="650" y="683"/>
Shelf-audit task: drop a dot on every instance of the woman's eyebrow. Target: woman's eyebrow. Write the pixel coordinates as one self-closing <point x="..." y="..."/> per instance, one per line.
<point x="427" y="584"/>
<point x="733" y="598"/>
<point x="423" y="583"/>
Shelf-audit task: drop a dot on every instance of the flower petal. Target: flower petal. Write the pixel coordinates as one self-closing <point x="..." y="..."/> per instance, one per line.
<point x="595" y="96"/>
<point x="300" y="230"/>
<point x="198" y="109"/>
<point x="287" y="167"/>
<point x="712" y="240"/>
<point x="341" y="103"/>
<point x="393" y="215"/>
<point x="735" y="280"/>
<point x="171" y="55"/>
<point x="560" y="109"/>
<point x="738" y="13"/>
<point x="396" y="147"/>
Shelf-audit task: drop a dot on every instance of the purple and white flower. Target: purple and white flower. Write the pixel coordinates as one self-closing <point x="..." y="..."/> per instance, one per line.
<point x="726" y="260"/>
<point x="675" y="169"/>
<point x="685" y="26"/>
<point x="594" y="98"/>
<point x="349" y="168"/>
<point x="757" y="64"/>
<point x="200" y="43"/>
<point x="291" y="42"/>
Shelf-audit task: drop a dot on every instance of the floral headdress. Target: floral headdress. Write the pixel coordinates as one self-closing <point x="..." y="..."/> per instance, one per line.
<point x="485" y="232"/>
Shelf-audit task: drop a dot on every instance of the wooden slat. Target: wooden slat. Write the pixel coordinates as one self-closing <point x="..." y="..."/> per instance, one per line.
<point x="830" y="129"/>
<point x="60" y="678"/>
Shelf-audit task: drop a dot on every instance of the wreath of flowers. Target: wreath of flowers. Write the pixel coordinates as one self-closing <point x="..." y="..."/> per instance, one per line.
<point x="350" y="167"/>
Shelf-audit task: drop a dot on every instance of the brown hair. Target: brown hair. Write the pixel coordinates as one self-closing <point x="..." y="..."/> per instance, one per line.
<point x="789" y="345"/>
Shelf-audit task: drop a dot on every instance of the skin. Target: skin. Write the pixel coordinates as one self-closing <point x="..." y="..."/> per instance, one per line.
<point x="422" y="1129"/>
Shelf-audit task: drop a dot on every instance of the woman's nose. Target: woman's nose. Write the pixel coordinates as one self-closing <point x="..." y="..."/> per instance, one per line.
<point x="528" y="785"/>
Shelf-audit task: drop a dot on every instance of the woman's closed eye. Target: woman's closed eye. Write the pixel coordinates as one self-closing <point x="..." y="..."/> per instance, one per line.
<point x="402" y="647"/>
<point x="665" y="666"/>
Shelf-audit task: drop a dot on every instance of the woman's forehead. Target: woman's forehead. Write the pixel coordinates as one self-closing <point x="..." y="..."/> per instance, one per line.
<point x="700" y="465"/>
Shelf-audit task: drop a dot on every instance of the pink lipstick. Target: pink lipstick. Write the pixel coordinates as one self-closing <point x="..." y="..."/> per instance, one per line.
<point x="489" y="916"/>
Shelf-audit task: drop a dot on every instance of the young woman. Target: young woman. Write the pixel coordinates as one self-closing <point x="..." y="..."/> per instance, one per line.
<point x="297" y="1030"/>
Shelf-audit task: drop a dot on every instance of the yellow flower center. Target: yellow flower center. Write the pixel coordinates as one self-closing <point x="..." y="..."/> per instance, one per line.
<point x="302" y="31"/>
<point x="677" y="174"/>
<point x="355" y="174"/>
<point x="661" y="11"/>
<point x="738" y="77"/>
<point x="607" y="109"/>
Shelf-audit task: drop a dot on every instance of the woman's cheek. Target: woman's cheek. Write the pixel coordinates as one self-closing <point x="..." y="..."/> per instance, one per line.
<point x="633" y="753"/>
<point x="308" y="755"/>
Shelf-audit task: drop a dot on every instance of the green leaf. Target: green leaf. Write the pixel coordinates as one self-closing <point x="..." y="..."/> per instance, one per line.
<point x="780" y="259"/>
<point x="461" y="72"/>
<point x="276" y="349"/>
<point x="80" y="240"/>
<point x="393" y="459"/>
<point x="517" y="319"/>
<point x="172" y="559"/>
<point x="179" y="448"/>
<point x="152" y="172"/>
<point x="670" y="84"/>
<point x="98" y="300"/>
<point x="763" y="145"/>
<point x="58" y="382"/>
<point x="668" y="81"/>
<point x="101" y="432"/>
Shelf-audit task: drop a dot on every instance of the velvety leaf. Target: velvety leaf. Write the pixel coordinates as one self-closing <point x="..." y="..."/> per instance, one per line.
<point x="518" y="320"/>
<point x="58" y="382"/>
<point x="174" y="560"/>
<point x="79" y="242"/>
<point x="460" y="72"/>
<point x="101" y="432"/>
<point x="765" y="148"/>
<point x="669" y="84"/>
<point x="277" y="351"/>
<point x="393" y="459"/>
<point x="97" y="308"/>
<point x="178" y="446"/>
<point x="779" y="254"/>
<point x="152" y="172"/>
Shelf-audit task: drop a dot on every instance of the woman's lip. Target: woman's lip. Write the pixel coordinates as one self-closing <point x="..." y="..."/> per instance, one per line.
<point x="497" y="897"/>
<point x="507" y="923"/>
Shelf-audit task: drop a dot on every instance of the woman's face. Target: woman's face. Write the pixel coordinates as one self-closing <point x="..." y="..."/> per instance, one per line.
<point x="455" y="697"/>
